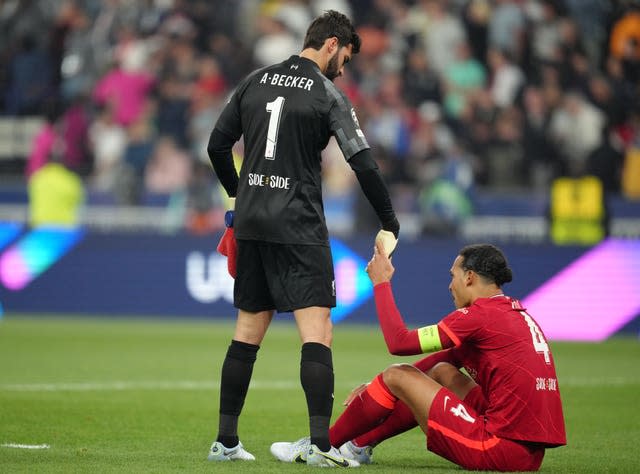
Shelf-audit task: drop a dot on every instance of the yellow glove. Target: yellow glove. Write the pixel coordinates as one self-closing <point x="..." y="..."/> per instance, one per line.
<point x="388" y="241"/>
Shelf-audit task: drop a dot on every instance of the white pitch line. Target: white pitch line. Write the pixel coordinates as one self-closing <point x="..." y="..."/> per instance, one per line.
<point x="118" y="386"/>
<point x="147" y="385"/>
<point x="24" y="446"/>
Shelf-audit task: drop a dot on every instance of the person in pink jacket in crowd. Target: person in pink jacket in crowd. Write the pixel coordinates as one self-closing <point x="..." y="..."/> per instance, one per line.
<point x="126" y="88"/>
<point x="44" y="140"/>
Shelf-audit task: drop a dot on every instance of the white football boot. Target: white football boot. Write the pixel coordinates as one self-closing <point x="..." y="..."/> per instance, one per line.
<point x="219" y="452"/>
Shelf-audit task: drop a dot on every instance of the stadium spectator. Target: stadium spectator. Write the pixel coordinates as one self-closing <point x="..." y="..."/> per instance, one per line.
<point x="66" y="122"/>
<point x="504" y="158"/>
<point x="506" y="79"/>
<point x="444" y="33"/>
<point x="75" y="132"/>
<point x="476" y="15"/>
<point x="446" y="202"/>
<point x="542" y="160"/>
<point x="168" y="169"/>
<point x="73" y="51"/>
<point x="501" y="415"/>
<point x="284" y="260"/>
<point x="45" y="138"/>
<point x="126" y="86"/>
<point x="56" y="193"/>
<point x="276" y="41"/>
<point x="107" y="141"/>
<point x="463" y="77"/>
<point x="506" y="28"/>
<point x="388" y="127"/>
<point x="421" y="83"/>
<point x="591" y="17"/>
<point x="624" y="43"/>
<point x="576" y="128"/>
<point x="206" y="103"/>
<point x="130" y="176"/>
<point x="30" y="78"/>
<point x="545" y="33"/>
<point x="177" y="77"/>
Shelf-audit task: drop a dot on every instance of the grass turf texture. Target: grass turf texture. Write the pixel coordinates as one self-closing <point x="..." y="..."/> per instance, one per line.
<point x="123" y="395"/>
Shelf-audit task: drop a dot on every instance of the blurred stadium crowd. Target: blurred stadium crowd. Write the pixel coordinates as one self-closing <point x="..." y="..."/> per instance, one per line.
<point x="455" y="96"/>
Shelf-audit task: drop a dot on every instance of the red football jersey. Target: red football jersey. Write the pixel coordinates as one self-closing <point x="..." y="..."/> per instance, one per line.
<point x="506" y="353"/>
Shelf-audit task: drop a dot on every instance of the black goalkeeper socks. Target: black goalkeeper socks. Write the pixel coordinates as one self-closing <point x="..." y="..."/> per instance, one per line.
<point x="316" y="376"/>
<point x="234" y="383"/>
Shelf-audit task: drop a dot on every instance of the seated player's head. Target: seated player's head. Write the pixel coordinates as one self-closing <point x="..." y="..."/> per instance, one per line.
<point x="477" y="269"/>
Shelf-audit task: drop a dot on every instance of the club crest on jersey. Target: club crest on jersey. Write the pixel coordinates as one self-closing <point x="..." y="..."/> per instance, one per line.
<point x="355" y="120"/>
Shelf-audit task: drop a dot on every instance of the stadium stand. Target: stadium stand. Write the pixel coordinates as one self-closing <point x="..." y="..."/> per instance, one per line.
<point x="473" y="108"/>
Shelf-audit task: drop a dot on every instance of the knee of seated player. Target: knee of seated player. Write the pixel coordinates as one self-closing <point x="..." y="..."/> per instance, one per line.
<point x="442" y="372"/>
<point x="396" y="375"/>
<point x="416" y="389"/>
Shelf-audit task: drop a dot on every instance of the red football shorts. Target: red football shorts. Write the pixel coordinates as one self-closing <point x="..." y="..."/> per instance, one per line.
<point x="458" y="433"/>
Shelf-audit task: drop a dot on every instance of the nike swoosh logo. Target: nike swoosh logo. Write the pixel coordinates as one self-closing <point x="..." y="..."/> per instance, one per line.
<point x="225" y="451"/>
<point x="446" y="400"/>
<point x="299" y="459"/>
<point x="343" y="463"/>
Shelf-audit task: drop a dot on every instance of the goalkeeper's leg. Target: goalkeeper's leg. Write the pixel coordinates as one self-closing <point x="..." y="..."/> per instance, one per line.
<point x="316" y="370"/>
<point x="237" y="369"/>
<point x="234" y="383"/>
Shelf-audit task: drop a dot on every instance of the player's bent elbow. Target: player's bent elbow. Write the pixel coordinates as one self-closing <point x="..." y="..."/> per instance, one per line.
<point x="400" y="349"/>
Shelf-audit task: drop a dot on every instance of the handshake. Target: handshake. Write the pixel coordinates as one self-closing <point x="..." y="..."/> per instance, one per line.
<point x="388" y="241"/>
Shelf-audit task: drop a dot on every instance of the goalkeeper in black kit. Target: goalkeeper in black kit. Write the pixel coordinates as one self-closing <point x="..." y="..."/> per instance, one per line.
<point x="277" y="240"/>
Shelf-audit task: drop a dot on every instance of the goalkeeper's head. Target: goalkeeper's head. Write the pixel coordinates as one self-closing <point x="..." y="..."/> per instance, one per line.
<point x="331" y="24"/>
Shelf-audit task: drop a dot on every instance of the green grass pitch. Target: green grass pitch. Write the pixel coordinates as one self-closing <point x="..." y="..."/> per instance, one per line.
<point x="134" y="395"/>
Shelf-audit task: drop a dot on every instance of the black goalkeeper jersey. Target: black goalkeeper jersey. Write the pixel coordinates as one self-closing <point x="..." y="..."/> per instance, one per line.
<point x="287" y="113"/>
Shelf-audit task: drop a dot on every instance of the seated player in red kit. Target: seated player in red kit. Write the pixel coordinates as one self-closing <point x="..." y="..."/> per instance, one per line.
<point x="502" y="416"/>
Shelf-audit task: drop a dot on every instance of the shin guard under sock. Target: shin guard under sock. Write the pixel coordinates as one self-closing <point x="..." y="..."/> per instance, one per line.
<point x="316" y="377"/>
<point x="234" y="383"/>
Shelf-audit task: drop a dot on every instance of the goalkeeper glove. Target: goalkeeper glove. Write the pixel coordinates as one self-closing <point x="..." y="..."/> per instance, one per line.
<point x="388" y="241"/>
<point x="228" y="245"/>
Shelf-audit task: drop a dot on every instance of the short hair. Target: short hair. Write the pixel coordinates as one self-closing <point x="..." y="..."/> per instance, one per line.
<point x="487" y="261"/>
<point x="328" y="25"/>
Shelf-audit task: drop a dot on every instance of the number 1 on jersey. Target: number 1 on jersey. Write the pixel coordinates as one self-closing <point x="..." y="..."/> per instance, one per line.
<point x="275" y="110"/>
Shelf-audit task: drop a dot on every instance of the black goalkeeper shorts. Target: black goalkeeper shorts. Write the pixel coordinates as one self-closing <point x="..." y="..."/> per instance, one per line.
<point x="283" y="277"/>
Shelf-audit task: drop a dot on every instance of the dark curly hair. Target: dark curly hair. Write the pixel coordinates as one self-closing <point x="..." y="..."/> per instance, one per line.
<point x="328" y="25"/>
<point x="487" y="261"/>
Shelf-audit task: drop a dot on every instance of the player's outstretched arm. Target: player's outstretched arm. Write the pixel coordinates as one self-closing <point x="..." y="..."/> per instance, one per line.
<point x="377" y="194"/>
<point x="399" y="339"/>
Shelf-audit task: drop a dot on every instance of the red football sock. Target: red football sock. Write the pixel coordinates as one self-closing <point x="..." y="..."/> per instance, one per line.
<point x="363" y="413"/>
<point x="399" y="421"/>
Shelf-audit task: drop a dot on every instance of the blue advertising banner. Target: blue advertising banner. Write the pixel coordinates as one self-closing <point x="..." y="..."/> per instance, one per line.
<point x="72" y="272"/>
